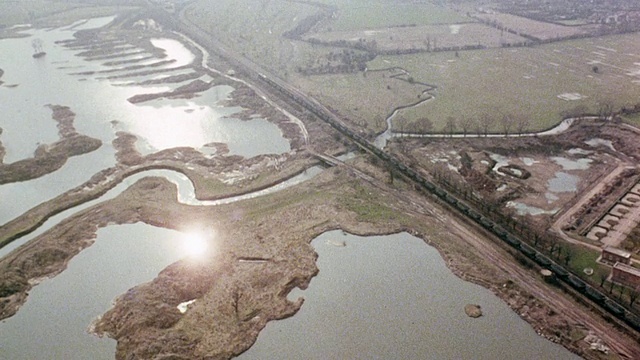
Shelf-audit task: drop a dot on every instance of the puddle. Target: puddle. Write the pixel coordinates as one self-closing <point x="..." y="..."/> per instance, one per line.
<point x="579" y="151"/>
<point x="569" y="164"/>
<point x="528" y="161"/>
<point x="595" y="142"/>
<point x="524" y="209"/>
<point x="563" y="182"/>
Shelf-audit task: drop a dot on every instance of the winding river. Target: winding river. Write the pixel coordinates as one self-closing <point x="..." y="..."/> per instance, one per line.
<point x="382" y="139"/>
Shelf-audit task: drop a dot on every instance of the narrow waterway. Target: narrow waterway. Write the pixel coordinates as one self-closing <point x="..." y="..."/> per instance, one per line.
<point x="389" y="133"/>
<point x="392" y="297"/>
<point x="186" y="195"/>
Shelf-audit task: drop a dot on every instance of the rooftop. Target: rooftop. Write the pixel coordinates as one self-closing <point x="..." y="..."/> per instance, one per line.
<point x="627" y="268"/>
<point x="616" y="251"/>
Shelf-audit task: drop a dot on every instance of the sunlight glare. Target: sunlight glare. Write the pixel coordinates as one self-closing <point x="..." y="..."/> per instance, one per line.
<point x="195" y="244"/>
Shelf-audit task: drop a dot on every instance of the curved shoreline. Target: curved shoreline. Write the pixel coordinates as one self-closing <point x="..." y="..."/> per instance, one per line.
<point x="98" y="187"/>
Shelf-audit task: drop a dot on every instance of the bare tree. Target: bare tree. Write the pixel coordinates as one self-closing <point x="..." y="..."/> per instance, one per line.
<point x="522" y="123"/>
<point x="605" y="111"/>
<point x="507" y="122"/>
<point x="465" y="124"/>
<point x="401" y="121"/>
<point x="568" y="256"/>
<point x="425" y="124"/>
<point x="478" y="127"/>
<point x="235" y="301"/>
<point x="603" y="278"/>
<point x="486" y="121"/>
<point x="450" y="125"/>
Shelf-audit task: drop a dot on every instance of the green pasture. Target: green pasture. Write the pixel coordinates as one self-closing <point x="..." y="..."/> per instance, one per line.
<point x="366" y="14"/>
<point x="525" y="81"/>
<point x="582" y="258"/>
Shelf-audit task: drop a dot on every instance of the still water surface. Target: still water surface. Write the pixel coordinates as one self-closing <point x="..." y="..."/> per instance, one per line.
<point x="53" y="322"/>
<point x="392" y="297"/>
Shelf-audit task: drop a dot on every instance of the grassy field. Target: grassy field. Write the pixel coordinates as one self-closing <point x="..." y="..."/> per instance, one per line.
<point x="527" y="81"/>
<point x="542" y="83"/>
<point x="425" y="37"/>
<point x="23" y="12"/>
<point x="632" y="119"/>
<point x="255" y="29"/>
<point x="362" y="99"/>
<point x="367" y="14"/>
<point x="538" y="29"/>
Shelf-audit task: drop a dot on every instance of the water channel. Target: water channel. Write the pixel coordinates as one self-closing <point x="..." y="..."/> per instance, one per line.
<point x="52" y="324"/>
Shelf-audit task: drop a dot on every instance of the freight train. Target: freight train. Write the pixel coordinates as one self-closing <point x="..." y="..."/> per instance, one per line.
<point x="560" y="272"/>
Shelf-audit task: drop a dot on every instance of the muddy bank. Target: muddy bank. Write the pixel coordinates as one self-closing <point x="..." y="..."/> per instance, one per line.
<point x="50" y="157"/>
<point x="222" y="175"/>
<point x="234" y="299"/>
<point x="2" y="149"/>
<point x="188" y="91"/>
<point x="11" y="33"/>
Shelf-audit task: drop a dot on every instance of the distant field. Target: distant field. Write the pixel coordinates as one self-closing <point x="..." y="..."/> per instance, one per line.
<point x="361" y="99"/>
<point x="255" y="29"/>
<point x="23" y="12"/>
<point x="425" y="37"/>
<point x="541" y="83"/>
<point x="537" y="29"/>
<point x="531" y="82"/>
<point x="54" y="13"/>
<point x="372" y="14"/>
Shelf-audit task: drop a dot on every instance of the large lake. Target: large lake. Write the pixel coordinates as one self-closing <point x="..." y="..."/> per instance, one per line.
<point x="392" y="297"/>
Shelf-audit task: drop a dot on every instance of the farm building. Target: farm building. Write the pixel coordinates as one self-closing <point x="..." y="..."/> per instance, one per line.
<point x="612" y="255"/>
<point x="626" y="275"/>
